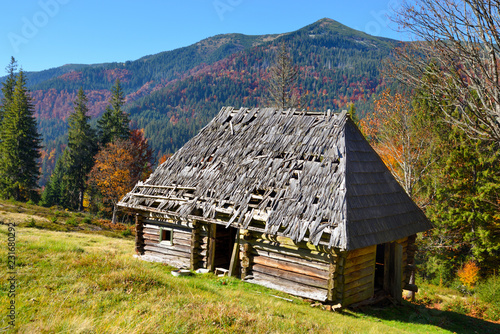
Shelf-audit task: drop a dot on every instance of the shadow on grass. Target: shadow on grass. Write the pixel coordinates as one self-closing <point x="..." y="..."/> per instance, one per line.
<point x="419" y="314"/>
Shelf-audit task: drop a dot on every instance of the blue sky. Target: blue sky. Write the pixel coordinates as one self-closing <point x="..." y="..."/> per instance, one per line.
<point x="42" y="34"/>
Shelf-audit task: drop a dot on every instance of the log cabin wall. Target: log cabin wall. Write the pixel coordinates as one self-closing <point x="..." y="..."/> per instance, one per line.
<point x="300" y="269"/>
<point x="202" y="248"/>
<point x="176" y="253"/>
<point x="356" y="281"/>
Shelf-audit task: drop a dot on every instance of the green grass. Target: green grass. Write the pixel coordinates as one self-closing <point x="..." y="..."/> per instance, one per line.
<point x="81" y="278"/>
<point x="82" y="283"/>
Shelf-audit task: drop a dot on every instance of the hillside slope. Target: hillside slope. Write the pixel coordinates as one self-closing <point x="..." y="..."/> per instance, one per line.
<point x="173" y="94"/>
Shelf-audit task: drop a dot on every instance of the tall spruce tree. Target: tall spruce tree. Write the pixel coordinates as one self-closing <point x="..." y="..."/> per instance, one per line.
<point x="114" y="123"/>
<point x="8" y="87"/>
<point x="19" y="141"/>
<point x="81" y="148"/>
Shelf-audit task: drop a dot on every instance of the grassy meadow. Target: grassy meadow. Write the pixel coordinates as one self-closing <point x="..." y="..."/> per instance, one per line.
<point x="88" y="281"/>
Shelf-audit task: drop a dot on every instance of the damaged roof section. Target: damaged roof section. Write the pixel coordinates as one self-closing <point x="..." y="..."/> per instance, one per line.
<point x="307" y="176"/>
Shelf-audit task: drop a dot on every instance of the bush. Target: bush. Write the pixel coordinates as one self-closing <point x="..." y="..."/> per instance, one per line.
<point x="489" y="291"/>
<point x="30" y="222"/>
<point x="127" y="232"/>
<point x="87" y="220"/>
<point x="72" y="222"/>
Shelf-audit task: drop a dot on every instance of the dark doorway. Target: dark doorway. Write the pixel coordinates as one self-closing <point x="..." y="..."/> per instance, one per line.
<point x="225" y="238"/>
<point x="379" y="267"/>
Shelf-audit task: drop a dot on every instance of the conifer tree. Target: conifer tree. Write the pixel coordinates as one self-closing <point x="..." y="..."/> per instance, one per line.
<point x="56" y="190"/>
<point x="114" y="123"/>
<point x="19" y="141"/>
<point x="81" y="148"/>
<point x="8" y="87"/>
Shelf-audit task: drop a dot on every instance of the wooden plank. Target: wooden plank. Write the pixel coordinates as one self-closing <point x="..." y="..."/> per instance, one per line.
<point x="355" y="262"/>
<point x="368" y="262"/>
<point x="359" y="289"/>
<point x="211" y="248"/>
<point x="292" y="288"/>
<point x="182" y="235"/>
<point x="290" y="266"/>
<point x="154" y="237"/>
<point x="235" y="255"/>
<point x="359" y="282"/>
<point x="279" y="240"/>
<point x="368" y="271"/>
<point x="321" y="265"/>
<point x="181" y="248"/>
<point x="154" y="224"/>
<point x="361" y="251"/>
<point x="195" y="243"/>
<point x="290" y="276"/>
<point x="153" y="231"/>
<point x="331" y="283"/>
<point x="181" y="242"/>
<point x="166" y="251"/>
<point x="291" y="250"/>
<point x="170" y="260"/>
<point x="363" y="295"/>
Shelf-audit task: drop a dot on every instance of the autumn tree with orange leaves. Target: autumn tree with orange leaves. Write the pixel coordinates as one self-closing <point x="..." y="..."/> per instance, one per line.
<point x="119" y="166"/>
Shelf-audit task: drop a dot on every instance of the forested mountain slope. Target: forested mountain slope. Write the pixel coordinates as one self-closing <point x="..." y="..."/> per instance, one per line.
<point x="173" y="94"/>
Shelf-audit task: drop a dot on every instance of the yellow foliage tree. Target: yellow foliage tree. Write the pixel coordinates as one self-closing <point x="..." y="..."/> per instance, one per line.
<point x="469" y="274"/>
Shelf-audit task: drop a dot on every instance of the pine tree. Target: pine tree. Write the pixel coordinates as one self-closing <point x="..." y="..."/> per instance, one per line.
<point x="114" y="123"/>
<point x="8" y="87"/>
<point x="19" y="142"/>
<point x="81" y="150"/>
<point x="56" y="192"/>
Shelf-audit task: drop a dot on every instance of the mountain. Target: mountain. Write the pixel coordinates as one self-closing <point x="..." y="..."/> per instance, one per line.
<point x="173" y="94"/>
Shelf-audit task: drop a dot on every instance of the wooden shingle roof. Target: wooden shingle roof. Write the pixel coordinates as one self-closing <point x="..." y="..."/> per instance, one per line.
<point x="307" y="176"/>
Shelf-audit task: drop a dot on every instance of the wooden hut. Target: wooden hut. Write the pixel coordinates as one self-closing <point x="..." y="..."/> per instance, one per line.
<point x="295" y="201"/>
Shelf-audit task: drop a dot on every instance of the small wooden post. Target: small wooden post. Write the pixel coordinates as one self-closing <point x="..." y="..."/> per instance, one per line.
<point x="235" y="255"/>
<point x="195" y="243"/>
<point x="139" y="234"/>
<point x="245" y="254"/>
<point x="331" y="281"/>
<point x="211" y="247"/>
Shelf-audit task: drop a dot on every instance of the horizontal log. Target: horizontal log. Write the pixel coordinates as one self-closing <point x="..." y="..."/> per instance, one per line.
<point x="166" y="251"/>
<point x="153" y="237"/>
<point x="321" y="265"/>
<point x="359" y="282"/>
<point x="355" y="275"/>
<point x="360" y="260"/>
<point x="153" y="224"/>
<point x="359" y="289"/>
<point x="368" y="262"/>
<point x="153" y="231"/>
<point x="175" y="246"/>
<point x="286" y="286"/>
<point x="361" y="251"/>
<point x="293" y="277"/>
<point x="182" y="235"/>
<point x="182" y="242"/>
<point x="290" y="250"/>
<point x="363" y="295"/>
<point x="165" y="258"/>
<point x="279" y="240"/>
<point x="289" y="266"/>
